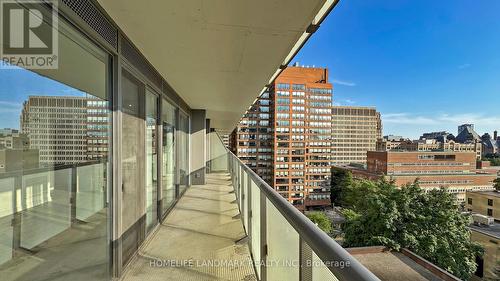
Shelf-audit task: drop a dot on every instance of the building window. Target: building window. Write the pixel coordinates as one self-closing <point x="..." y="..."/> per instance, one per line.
<point x="490" y="202"/>
<point x="469" y="201"/>
<point x="283" y="86"/>
<point x="299" y="87"/>
<point x="490" y="212"/>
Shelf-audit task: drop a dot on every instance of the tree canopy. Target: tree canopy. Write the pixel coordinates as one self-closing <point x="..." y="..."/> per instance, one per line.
<point x="321" y="220"/>
<point x="493" y="158"/>
<point x="497" y="184"/>
<point x="340" y="179"/>
<point x="429" y="224"/>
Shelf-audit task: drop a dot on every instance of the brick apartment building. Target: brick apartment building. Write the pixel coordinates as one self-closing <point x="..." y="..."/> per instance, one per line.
<point x="456" y="171"/>
<point x="286" y="136"/>
<point x="429" y="145"/>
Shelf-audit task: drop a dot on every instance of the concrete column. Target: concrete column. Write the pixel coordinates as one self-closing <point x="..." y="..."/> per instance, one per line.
<point x="209" y="147"/>
<point x="198" y="146"/>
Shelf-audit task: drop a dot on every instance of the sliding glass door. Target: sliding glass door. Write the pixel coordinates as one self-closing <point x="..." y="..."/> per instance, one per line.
<point x="168" y="122"/>
<point x="183" y="136"/>
<point x="151" y="159"/>
<point x="133" y="164"/>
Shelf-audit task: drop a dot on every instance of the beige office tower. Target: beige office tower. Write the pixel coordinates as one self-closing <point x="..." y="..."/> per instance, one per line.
<point x="355" y="131"/>
<point x="66" y="130"/>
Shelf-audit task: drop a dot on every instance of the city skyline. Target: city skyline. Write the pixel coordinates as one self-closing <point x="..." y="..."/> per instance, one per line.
<point x="426" y="68"/>
<point x="408" y="51"/>
<point x="412" y="126"/>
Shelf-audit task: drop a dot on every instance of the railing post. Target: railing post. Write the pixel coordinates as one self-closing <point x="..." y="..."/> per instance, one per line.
<point x="16" y="215"/>
<point x="72" y="198"/>
<point x="305" y="260"/>
<point x="249" y="207"/>
<point x="242" y="191"/>
<point x="263" y="237"/>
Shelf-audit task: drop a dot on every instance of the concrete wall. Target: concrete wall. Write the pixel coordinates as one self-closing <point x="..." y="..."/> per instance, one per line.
<point x="198" y="146"/>
<point x="218" y="153"/>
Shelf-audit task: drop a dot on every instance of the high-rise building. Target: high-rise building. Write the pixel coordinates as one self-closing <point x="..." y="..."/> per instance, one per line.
<point x="286" y="135"/>
<point x="355" y="131"/>
<point x="66" y="129"/>
<point x="302" y="137"/>
<point x="252" y="140"/>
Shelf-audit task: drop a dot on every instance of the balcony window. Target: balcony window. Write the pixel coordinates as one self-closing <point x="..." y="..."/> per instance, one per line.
<point x="54" y="180"/>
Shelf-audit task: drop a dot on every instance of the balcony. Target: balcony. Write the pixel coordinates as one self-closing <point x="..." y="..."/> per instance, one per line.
<point x="198" y="239"/>
<point x="88" y="201"/>
<point x="236" y="227"/>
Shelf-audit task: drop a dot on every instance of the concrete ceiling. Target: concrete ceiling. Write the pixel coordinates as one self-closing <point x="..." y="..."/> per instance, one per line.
<point x="217" y="54"/>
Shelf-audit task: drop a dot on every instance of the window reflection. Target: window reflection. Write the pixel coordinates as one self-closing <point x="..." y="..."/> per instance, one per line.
<point x="54" y="145"/>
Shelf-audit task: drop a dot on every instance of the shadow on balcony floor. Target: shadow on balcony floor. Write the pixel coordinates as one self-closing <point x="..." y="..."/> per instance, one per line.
<point x="199" y="240"/>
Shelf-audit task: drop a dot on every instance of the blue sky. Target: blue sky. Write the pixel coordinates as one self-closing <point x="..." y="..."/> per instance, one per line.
<point x="426" y="65"/>
<point x="15" y="87"/>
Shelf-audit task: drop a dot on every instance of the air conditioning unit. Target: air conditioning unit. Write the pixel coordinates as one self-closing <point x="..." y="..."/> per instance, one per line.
<point x="482" y="219"/>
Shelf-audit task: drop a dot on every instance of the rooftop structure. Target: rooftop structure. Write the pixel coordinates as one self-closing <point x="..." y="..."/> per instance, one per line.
<point x="466" y="134"/>
<point x="491" y="146"/>
<point x="394" y="266"/>
<point x="429" y="145"/>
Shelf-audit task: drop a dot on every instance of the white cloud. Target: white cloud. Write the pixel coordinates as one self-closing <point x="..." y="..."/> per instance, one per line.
<point x="10" y="107"/>
<point x="413" y="125"/>
<point x="9" y="104"/>
<point x="407" y="118"/>
<point x="344" y="83"/>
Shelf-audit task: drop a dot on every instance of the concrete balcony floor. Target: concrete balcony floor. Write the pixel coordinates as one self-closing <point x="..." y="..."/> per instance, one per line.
<point x="204" y="231"/>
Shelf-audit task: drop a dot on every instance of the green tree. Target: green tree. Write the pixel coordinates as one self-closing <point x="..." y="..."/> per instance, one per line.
<point x="495" y="161"/>
<point x="321" y="220"/>
<point x="340" y="180"/>
<point x="429" y="224"/>
<point x="493" y="158"/>
<point x="497" y="184"/>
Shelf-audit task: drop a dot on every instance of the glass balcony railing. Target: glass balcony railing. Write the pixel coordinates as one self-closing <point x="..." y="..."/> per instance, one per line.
<point x="284" y="243"/>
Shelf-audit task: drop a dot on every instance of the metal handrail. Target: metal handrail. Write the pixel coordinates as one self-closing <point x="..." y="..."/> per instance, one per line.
<point x="25" y="172"/>
<point x="323" y="245"/>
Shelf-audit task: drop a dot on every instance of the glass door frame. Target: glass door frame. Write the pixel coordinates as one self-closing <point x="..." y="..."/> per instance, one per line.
<point x="188" y="149"/>
<point x="159" y="150"/>
<point x="165" y="211"/>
